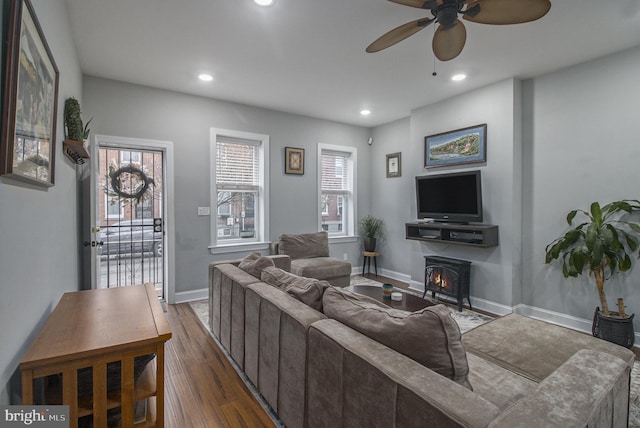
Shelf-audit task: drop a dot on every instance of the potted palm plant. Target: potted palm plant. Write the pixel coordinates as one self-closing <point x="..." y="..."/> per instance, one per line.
<point x="602" y="245"/>
<point x="370" y="228"/>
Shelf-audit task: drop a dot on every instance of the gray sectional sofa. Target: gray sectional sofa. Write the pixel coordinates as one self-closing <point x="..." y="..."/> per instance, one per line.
<point x="317" y="371"/>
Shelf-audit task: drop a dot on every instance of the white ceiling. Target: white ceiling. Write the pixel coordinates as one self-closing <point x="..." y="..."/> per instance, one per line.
<point x="308" y="57"/>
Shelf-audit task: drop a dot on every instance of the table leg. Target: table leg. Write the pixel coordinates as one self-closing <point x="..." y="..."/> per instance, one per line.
<point x="364" y="263"/>
<point x="375" y="264"/>
<point x="27" y="387"/>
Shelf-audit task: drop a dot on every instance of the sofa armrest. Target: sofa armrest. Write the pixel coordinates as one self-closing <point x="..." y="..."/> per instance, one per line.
<point x="281" y="261"/>
<point x="590" y="389"/>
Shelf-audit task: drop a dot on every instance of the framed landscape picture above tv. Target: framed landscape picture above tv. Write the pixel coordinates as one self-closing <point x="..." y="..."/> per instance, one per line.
<point x="462" y="146"/>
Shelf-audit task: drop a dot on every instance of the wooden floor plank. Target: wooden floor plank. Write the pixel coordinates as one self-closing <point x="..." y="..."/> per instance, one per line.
<point x="201" y="387"/>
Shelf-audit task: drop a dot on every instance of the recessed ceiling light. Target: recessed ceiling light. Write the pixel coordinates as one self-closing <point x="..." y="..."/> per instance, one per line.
<point x="365" y="112"/>
<point x="205" y="77"/>
<point x="458" y="77"/>
<point x="263" y="2"/>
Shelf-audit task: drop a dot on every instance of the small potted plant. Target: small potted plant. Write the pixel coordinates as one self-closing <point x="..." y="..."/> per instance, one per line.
<point x="370" y="228"/>
<point x="73" y="121"/>
<point x="75" y="133"/>
<point x="602" y="245"/>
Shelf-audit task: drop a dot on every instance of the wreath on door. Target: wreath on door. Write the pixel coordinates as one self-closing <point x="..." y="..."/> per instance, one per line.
<point x="124" y="174"/>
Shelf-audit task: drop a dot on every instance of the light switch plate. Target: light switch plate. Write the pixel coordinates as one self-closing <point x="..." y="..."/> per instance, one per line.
<point x="204" y="211"/>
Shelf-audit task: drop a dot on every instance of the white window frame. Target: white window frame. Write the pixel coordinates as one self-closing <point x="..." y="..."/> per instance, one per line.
<point x="349" y="231"/>
<point x="262" y="204"/>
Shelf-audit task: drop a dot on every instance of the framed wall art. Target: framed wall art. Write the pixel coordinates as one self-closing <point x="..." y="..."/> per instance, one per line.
<point x="30" y="100"/>
<point x="293" y="161"/>
<point x="462" y="146"/>
<point x="394" y="165"/>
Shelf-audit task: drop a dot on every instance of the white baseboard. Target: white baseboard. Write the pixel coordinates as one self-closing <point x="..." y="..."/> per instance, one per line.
<point x="190" y="296"/>
<point x="491" y="307"/>
<point x="553" y="317"/>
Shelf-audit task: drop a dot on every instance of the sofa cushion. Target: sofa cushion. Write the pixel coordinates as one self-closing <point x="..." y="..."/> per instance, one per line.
<point x="496" y="384"/>
<point x="306" y="290"/>
<point x="305" y="245"/>
<point x="321" y="267"/>
<point x="541" y="347"/>
<point x="254" y="263"/>
<point x="429" y="336"/>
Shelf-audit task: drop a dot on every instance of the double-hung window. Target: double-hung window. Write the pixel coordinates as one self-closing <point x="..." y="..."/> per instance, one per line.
<point x="337" y="170"/>
<point x="239" y="182"/>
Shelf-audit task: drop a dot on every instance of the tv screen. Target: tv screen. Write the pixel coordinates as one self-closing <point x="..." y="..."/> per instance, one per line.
<point x="453" y="197"/>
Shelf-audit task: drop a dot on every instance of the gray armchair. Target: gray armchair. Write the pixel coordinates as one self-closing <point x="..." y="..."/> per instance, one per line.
<point x="309" y="253"/>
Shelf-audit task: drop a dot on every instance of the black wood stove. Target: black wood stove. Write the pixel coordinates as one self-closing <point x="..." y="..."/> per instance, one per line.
<point x="450" y="277"/>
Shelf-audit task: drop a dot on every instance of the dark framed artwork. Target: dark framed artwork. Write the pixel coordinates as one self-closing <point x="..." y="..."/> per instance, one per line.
<point x="293" y="161"/>
<point x="30" y="100"/>
<point x="394" y="165"/>
<point x="462" y="146"/>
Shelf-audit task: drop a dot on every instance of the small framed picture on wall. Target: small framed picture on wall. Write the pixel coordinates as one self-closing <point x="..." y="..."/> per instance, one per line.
<point x="394" y="165"/>
<point x="293" y="161"/>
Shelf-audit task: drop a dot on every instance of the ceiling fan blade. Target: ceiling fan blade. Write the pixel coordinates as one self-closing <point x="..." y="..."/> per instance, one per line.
<point x="398" y="34"/>
<point x="503" y="12"/>
<point x="449" y="42"/>
<point x="420" y="4"/>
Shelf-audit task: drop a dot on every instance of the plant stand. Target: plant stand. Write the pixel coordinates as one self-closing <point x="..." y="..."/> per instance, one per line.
<point x="614" y="330"/>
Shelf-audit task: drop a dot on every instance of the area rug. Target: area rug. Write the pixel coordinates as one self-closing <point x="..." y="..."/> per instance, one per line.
<point x="466" y="320"/>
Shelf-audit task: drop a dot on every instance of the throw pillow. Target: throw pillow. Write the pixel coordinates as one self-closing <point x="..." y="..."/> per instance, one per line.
<point x="308" y="290"/>
<point x="304" y="246"/>
<point x="254" y="263"/>
<point x="429" y="336"/>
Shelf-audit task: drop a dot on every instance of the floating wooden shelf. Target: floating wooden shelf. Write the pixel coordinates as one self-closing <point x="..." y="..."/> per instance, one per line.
<point x="76" y="151"/>
<point x="477" y="235"/>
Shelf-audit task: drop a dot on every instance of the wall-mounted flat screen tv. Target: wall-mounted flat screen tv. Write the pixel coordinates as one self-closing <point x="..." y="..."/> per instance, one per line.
<point x="453" y="197"/>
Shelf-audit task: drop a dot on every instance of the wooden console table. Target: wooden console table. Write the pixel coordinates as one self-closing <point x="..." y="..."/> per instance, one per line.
<point x="94" y="328"/>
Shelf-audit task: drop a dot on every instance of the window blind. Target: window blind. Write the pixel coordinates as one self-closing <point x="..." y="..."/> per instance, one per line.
<point x="334" y="179"/>
<point x="237" y="166"/>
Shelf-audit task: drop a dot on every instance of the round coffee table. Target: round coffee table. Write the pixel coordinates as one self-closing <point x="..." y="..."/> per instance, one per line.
<point x="409" y="302"/>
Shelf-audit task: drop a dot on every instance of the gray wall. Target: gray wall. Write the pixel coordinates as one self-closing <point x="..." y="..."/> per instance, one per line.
<point x="555" y="143"/>
<point x="582" y="144"/>
<point x="140" y="112"/>
<point x="494" y="268"/>
<point x="39" y="228"/>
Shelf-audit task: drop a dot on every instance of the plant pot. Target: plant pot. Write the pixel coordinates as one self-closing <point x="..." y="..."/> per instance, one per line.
<point x="369" y="244"/>
<point x="614" y="330"/>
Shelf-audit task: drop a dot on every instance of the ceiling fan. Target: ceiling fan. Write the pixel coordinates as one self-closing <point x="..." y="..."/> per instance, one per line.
<point x="450" y="37"/>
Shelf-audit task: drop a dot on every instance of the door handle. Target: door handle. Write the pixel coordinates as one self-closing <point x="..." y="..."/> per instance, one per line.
<point x="93" y="243"/>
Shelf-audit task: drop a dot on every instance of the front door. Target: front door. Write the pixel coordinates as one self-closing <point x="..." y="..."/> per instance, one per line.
<point x="129" y="214"/>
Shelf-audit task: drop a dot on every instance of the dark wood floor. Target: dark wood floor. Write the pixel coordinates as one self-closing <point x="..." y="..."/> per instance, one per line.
<point x="201" y="387"/>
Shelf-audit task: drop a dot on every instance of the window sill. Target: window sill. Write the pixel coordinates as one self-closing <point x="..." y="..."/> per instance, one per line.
<point x="239" y="247"/>
<point x="343" y="239"/>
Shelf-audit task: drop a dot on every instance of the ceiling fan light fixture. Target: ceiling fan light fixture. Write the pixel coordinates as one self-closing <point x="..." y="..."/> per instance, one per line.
<point x="205" y="77"/>
<point x="365" y="112"/>
<point x="458" y="77"/>
<point x="263" y="3"/>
